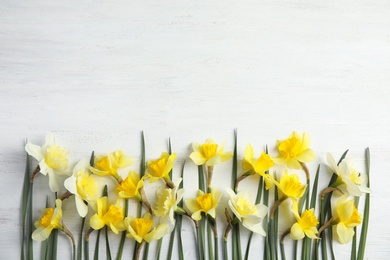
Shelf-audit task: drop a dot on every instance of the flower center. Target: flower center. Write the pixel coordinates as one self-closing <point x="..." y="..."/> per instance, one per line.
<point x="308" y="220"/>
<point x="354" y="220"/>
<point x="205" y="201"/>
<point x="165" y="201"/>
<point x="128" y="186"/>
<point x="209" y="150"/>
<point x="291" y="186"/>
<point x="57" y="157"/>
<point x="290" y="148"/>
<point x="46" y="218"/>
<point x="113" y="215"/>
<point x="355" y="177"/>
<point x="86" y="186"/>
<point x="244" y="207"/>
<point x="103" y="164"/>
<point x="142" y="226"/>
<point x="157" y="167"/>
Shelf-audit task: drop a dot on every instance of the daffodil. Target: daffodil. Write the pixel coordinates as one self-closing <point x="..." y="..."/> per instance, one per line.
<point x="166" y="204"/>
<point x="209" y="153"/>
<point x="53" y="159"/>
<point x="50" y="220"/>
<point x="130" y="187"/>
<point x="204" y="202"/>
<point x="290" y="186"/>
<point x="349" y="179"/>
<point x="160" y="168"/>
<point x="108" y="215"/>
<point x="142" y="229"/>
<point x="294" y="150"/>
<point x="108" y="165"/>
<point x="306" y="224"/>
<point x="260" y="165"/>
<point x="83" y="185"/>
<point x="346" y="217"/>
<point x="249" y="214"/>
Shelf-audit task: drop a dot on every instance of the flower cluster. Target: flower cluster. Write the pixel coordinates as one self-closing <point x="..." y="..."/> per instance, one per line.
<point x="103" y="186"/>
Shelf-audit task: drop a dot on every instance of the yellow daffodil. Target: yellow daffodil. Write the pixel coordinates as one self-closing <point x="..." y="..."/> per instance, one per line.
<point x="349" y="179"/>
<point x="294" y="150"/>
<point x="160" y="168"/>
<point x="129" y="187"/>
<point x="141" y="229"/>
<point x="109" y="215"/>
<point x="209" y="154"/>
<point x="50" y="220"/>
<point x="346" y="217"/>
<point x="83" y="185"/>
<point x="204" y="202"/>
<point x="53" y="160"/>
<point x="249" y="214"/>
<point x="290" y="186"/>
<point x="260" y="165"/>
<point x="306" y="224"/>
<point x="166" y="204"/>
<point x="108" y="165"/>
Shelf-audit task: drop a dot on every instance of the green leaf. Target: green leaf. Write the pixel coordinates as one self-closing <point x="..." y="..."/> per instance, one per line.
<point x="96" y="254"/>
<point x="146" y="252"/>
<point x="25" y="199"/>
<point x="123" y="235"/>
<point x="108" y="250"/>
<point x="179" y="219"/>
<point x="80" y="242"/>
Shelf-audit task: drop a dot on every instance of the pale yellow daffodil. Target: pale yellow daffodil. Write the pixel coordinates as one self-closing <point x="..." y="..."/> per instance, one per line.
<point x="160" y="168"/>
<point x="108" y="165"/>
<point x="130" y="187"/>
<point x="53" y="159"/>
<point x="50" y="220"/>
<point x="306" y="224"/>
<point x="346" y="217"/>
<point x="209" y="153"/>
<point x="204" y="202"/>
<point x="349" y="179"/>
<point x="108" y="215"/>
<point x="84" y="186"/>
<point x="142" y="229"/>
<point x="260" y="165"/>
<point x="249" y="214"/>
<point x="294" y="150"/>
<point x="166" y="204"/>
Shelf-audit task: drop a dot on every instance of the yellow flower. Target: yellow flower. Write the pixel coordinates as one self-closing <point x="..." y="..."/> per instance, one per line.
<point x="204" y="202"/>
<point x="349" y="179"/>
<point x="166" y="204"/>
<point x="109" y="164"/>
<point x="110" y="215"/>
<point x="305" y="225"/>
<point x="160" y="168"/>
<point x="53" y="159"/>
<point x="290" y="186"/>
<point x="209" y="154"/>
<point x="249" y="214"/>
<point x="83" y="185"/>
<point x="294" y="150"/>
<point x="142" y="228"/>
<point x="347" y="217"/>
<point x="129" y="187"/>
<point x="50" y="220"/>
<point x="259" y="165"/>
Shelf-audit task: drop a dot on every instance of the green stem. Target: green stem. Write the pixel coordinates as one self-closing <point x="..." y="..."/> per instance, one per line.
<point x="225" y="251"/>
<point x="80" y="242"/>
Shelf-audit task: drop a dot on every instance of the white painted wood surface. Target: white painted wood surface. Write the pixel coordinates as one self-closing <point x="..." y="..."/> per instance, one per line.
<point x="99" y="72"/>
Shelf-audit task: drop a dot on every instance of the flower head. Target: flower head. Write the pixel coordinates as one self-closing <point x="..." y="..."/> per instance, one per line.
<point x="109" y="215"/>
<point x="346" y="218"/>
<point x="204" y="202"/>
<point x="108" y="165"/>
<point x="160" y="168"/>
<point x="166" y="204"/>
<point x="290" y="186"/>
<point x="249" y="214"/>
<point x="83" y="185"/>
<point x="142" y="228"/>
<point x="129" y="187"/>
<point x="209" y="154"/>
<point x="351" y="181"/>
<point x="53" y="159"/>
<point x="306" y="224"/>
<point x="294" y="150"/>
<point x="50" y="220"/>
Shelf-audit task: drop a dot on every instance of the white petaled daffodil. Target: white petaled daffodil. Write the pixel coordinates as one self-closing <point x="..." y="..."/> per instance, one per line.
<point x="50" y="220"/>
<point x="166" y="204"/>
<point x="246" y="211"/>
<point x="84" y="186"/>
<point x="204" y="202"/>
<point x="349" y="179"/>
<point x="53" y="159"/>
<point x="142" y="229"/>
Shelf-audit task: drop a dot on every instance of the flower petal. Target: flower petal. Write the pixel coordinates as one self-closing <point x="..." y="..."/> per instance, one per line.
<point x="34" y="151"/>
<point x="82" y="208"/>
<point x="296" y="232"/>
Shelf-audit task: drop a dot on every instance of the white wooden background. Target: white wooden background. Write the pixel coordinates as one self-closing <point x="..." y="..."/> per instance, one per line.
<point x="97" y="73"/>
